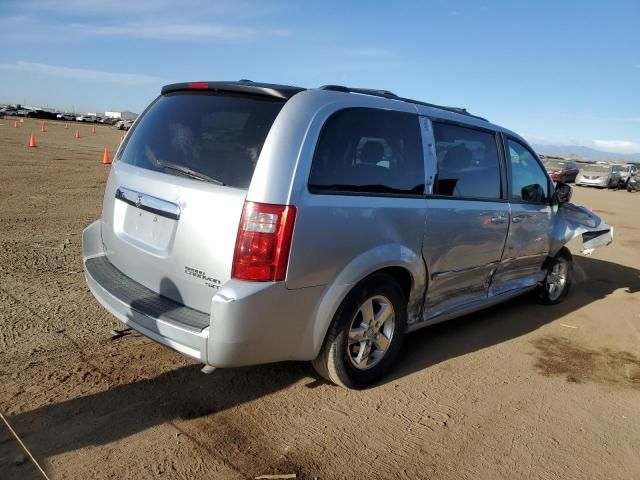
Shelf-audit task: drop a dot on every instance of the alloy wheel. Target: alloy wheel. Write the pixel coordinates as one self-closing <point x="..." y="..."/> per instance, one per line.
<point x="556" y="280"/>
<point x="371" y="332"/>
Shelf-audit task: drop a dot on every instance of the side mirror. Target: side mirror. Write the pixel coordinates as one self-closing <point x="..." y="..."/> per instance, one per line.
<point x="533" y="193"/>
<point x="563" y="193"/>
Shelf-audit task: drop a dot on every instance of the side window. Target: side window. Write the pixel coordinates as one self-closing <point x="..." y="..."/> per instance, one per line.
<point x="529" y="183"/>
<point x="468" y="162"/>
<point x="370" y="151"/>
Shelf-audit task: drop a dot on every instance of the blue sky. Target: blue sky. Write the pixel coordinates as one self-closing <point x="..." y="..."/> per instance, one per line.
<point x="562" y="72"/>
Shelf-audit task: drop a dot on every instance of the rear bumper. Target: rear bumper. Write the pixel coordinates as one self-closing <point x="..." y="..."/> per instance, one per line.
<point x="249" y="323"/>
<point x="116" y="294"/>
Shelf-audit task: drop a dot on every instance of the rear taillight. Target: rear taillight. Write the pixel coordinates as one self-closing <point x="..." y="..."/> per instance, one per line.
<point x="263" y="242"/>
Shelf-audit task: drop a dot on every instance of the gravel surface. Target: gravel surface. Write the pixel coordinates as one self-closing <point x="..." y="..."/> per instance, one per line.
<point x="517" y="391"/>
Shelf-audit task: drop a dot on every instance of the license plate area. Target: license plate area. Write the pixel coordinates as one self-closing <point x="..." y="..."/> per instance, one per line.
<point x="150" y="231"/>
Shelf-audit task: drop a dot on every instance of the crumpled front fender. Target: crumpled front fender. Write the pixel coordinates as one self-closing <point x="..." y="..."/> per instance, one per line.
<point x="573" y="220"/>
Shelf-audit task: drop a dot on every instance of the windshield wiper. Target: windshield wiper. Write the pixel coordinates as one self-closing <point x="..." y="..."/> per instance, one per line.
<point x="188" y="172"/>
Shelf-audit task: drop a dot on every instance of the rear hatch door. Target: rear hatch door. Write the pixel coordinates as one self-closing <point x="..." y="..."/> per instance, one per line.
<point x="174" y="198"/>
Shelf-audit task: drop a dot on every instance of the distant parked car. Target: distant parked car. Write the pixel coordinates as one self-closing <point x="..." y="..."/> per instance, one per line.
<point x="625" y="172"/>
<point x="86" y="118"/>
<point x="124" y="124"/>
<point x="633" y="185"/>
<point x="561" y="171"/>
<point x="598" y="175"/>
<point x="43" y="114"/>
<point x="9" y="112"/>
<point x="65" y="116"/>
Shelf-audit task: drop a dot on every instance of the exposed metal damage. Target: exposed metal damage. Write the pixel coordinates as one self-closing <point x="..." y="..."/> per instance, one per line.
<point x="573" y="220"/>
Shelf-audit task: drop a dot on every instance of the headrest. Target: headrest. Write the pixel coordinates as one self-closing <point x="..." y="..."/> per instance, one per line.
<point x="371" y="153"/>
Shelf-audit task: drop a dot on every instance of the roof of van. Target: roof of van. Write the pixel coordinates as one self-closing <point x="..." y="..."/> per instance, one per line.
<point x="287" y="91"/>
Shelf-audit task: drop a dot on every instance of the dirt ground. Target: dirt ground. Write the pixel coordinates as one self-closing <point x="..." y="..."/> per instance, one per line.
<point x="517" y="391"/>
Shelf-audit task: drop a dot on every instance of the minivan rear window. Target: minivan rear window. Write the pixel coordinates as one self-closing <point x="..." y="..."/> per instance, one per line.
<point x="204" y="135"/>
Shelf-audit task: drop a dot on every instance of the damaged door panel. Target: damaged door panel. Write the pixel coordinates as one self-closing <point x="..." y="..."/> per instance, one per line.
<point x="573" y="220"/>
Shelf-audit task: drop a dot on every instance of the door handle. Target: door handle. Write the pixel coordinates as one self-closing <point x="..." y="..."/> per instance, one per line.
<point x="499" y="219"/>
<point x="148" y="203"/>
<point x="519" y="218"/>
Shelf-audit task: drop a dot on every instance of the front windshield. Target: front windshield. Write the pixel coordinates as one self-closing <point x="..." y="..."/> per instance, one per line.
<point x="598" y="168"/>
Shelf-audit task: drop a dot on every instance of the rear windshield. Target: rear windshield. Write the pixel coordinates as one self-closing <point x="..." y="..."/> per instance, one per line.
<point x="203" y="135"/>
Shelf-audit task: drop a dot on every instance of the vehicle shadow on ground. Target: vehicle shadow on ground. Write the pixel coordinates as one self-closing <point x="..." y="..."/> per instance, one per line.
<point x="186" y="393"/>
<point x="593" y="280"/>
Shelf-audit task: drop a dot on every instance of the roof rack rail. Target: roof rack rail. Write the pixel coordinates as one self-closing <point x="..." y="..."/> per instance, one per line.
<point x="365" y="91"/>
<point x="387" y="94"/>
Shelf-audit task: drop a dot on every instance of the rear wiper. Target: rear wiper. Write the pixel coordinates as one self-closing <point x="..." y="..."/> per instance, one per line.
<point x="190" y="173"/>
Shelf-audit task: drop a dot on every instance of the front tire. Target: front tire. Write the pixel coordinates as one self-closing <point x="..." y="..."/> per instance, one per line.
<point x="366" y="334"/>
<point x="557" y="281"/>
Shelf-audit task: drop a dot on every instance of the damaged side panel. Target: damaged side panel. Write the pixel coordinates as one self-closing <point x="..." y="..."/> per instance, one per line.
<point x="573" y="220"/>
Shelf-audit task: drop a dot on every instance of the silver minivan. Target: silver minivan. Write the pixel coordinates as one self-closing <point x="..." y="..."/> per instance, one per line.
<point x="247" y="223"/>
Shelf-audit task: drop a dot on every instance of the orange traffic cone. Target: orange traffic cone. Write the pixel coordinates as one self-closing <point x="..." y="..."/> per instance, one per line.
<point x="93" y="130"/>
<point x="66" y="126"/>
<point x="32" y="141"/>
<point x="43" y="127"/>
<point x="77" y="135"/>
<point x="16" y="124"/>
<point x="106" y="157"/>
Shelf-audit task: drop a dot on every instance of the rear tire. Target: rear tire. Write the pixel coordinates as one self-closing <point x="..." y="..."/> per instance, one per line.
<point x="366" y="334"/>
<point x="557" y="281"/>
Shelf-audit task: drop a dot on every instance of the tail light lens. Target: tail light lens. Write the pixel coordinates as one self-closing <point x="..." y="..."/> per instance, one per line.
<point x="263" y="242"/>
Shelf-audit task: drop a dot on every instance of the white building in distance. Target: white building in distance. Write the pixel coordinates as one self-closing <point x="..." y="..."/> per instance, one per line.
<point x="122" y="115"/>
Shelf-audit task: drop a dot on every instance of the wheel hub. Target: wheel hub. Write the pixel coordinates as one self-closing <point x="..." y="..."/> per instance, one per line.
<point x="556" y="280"/>
<point x="371" y="332"/>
